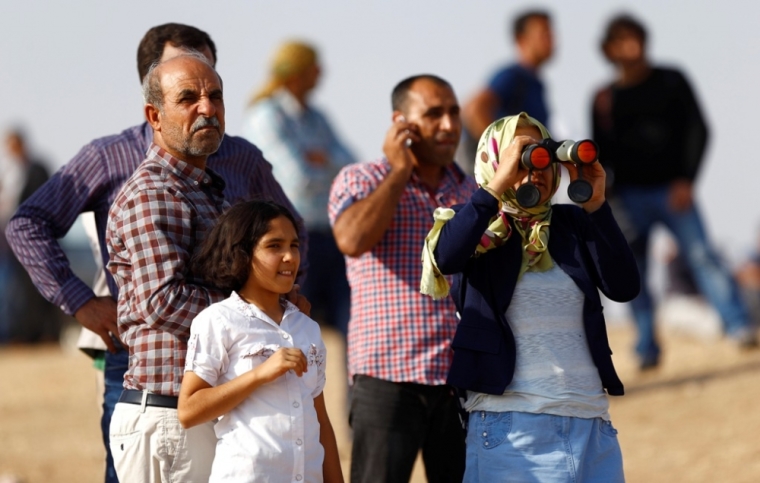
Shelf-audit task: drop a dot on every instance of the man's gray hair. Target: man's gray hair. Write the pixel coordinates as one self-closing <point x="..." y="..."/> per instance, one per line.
<point x="151" y="86"/>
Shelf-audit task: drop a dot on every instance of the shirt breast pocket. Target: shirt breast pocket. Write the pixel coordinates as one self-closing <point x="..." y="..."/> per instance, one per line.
<point x="258" y="354"/>
<point x="314" y="364"/>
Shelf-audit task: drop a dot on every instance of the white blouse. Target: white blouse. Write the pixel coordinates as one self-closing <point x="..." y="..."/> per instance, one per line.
<point x="554" y="372"/>
<point x="274" y="434"/>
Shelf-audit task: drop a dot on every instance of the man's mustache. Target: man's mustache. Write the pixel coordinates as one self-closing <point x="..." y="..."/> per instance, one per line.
<point x="202" y="122"/>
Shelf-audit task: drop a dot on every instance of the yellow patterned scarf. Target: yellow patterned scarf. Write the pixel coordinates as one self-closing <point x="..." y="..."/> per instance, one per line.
<point x="531" y="223"/>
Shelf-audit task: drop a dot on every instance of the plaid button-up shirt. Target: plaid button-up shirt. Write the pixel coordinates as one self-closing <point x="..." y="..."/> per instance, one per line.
<point x="155" y="225"/>
<point x="396" y="333"/>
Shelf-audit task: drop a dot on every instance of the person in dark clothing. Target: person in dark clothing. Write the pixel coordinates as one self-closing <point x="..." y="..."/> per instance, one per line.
<point x="25" y="315"/>
<point x="652" y="138"/>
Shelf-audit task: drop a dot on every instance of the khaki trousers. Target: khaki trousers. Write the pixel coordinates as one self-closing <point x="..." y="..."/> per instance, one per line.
<point x="149" y="446"/>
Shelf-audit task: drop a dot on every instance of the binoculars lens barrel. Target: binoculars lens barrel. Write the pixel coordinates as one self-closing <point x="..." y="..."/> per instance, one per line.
<point x="585" y="152"/>
<point x="536" y="157"/>
<point x="541" y="156"/>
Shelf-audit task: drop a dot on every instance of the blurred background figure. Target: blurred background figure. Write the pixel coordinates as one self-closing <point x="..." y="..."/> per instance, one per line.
<point x="514" y="88"/>
<point x="25" y="316"/>
<point x="306" y="155"/>
<point x="652" y="138"/>
<point x="748" y="276"/>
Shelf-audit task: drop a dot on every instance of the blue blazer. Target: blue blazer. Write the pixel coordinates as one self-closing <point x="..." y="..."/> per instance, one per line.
<point x="589" y="247"/>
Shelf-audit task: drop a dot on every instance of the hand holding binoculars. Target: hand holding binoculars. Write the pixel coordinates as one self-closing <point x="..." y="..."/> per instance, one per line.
<point x="540" y="156"/>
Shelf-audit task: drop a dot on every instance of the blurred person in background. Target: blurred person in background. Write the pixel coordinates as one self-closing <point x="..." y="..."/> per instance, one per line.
<point x="514" y="88"/>
<point x="748" y="276"/>
<point x="306" y="155"/>
<point x="652" y="139"/>
<point x="25" y="316"/>
<point x="90" y="182"/>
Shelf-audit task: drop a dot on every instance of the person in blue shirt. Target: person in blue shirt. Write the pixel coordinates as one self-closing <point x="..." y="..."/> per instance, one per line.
<point x="517" y="87"/>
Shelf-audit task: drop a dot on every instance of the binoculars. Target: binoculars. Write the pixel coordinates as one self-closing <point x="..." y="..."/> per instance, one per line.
<point x="540" y="156"/>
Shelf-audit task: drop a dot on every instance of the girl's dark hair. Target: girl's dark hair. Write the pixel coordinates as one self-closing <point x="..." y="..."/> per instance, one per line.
<point x="224" y="260"/>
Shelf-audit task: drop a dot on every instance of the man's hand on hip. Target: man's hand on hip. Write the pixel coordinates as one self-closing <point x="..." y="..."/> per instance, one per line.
<point x="99" y="316"/>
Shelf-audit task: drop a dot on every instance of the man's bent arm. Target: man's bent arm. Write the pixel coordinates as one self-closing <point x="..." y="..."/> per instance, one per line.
<point x="157" y="255"/>
<point x="479" y="112"/>
<point x="362" y="225"/>
<point x="47" y="216"/>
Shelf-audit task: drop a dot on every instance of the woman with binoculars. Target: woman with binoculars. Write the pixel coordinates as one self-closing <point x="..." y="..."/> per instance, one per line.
<point x="531" y="348"/>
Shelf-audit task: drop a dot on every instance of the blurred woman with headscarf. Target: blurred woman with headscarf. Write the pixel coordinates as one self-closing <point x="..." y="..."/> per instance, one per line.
<point x="306" y="155"/>
<point x="531" y="348"/>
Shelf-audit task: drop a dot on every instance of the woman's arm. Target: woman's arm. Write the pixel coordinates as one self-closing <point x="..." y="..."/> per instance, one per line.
<point x="612" y="258"/>
<point x="331" y="470"/>
<point x="200" y="402"/>
<point x="460" y="235"/>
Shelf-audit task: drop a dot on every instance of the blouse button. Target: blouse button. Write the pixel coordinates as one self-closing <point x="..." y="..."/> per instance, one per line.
<point x="299" y="477"/>
<point x="485" y="434"/>
<point x="285" y="336"/>
<point x="299" y="442"/>
<point x="295" y="404"/>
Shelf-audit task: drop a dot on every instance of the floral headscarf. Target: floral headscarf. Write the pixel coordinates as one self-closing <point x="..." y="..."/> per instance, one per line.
<point x="531" y="223"/>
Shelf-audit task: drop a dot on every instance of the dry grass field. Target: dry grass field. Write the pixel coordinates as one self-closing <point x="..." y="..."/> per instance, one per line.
<point x="695" y="419"/>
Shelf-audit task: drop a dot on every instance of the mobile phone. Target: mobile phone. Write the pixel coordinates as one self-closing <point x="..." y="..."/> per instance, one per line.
<point x="408" y="141"/>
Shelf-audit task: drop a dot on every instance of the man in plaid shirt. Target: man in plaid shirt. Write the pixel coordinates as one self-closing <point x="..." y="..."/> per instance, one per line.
<point x="399" y="341"/>
<point x="90" y="182"/>
<point x="156" y="222"/>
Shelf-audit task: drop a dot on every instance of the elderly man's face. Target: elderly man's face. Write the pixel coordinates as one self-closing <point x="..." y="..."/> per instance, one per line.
<point x="191" y="121"/>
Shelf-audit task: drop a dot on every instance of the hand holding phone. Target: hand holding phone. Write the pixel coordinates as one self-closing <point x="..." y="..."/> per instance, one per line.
<point x="408" y="142"/>
<point x="398" y="142"/>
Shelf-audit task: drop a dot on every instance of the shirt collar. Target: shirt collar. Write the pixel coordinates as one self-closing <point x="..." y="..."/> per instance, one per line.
<point x="288" y="103"/>
<point x="183" y="169"/>
<point x="251" y="310"/>
<point x="451" y="173"/>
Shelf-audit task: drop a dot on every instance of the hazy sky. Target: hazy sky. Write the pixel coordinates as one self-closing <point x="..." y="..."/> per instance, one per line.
<point x="68" y="70"/>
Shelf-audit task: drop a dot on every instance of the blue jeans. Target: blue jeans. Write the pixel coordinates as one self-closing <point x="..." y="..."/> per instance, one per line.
<point x="644" y="207"/>
<point x="393" y="421"/>
<point x="116" y="366"/>
<point x="541" y="448"/>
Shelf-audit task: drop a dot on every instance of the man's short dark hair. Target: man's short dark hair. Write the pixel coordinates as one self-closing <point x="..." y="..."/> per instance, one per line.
<point x="401" y="91"/>
<point x="520" y="23"/>
<point x="623" y="22"/>
<point x="152" y="45"/>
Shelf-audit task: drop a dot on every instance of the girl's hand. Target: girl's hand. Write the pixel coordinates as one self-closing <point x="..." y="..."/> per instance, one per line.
<point x="282" y="361"/>
<point x="510" y="170"/>
<point x="593" y="173"/>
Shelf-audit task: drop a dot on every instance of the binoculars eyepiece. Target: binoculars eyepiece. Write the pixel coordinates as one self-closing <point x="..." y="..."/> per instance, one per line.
<point x="540" y="156"/>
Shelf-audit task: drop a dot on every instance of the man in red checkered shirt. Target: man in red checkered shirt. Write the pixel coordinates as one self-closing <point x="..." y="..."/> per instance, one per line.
<point x="399" y="341"/>
<point x="155" y="223"/>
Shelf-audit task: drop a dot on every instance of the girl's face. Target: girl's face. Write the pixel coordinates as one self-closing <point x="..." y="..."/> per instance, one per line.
<point x="276" y="258"/>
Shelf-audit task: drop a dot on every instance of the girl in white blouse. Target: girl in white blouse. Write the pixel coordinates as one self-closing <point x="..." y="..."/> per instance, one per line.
<point x="254" y="360"/>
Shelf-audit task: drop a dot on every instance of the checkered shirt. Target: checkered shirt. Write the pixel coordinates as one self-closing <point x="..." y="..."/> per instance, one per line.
<point x="155" y="225"/>
<point x="396" y="333"/>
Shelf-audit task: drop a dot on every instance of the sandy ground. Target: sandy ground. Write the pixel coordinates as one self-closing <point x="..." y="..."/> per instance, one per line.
<point x="695" y="419"/>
